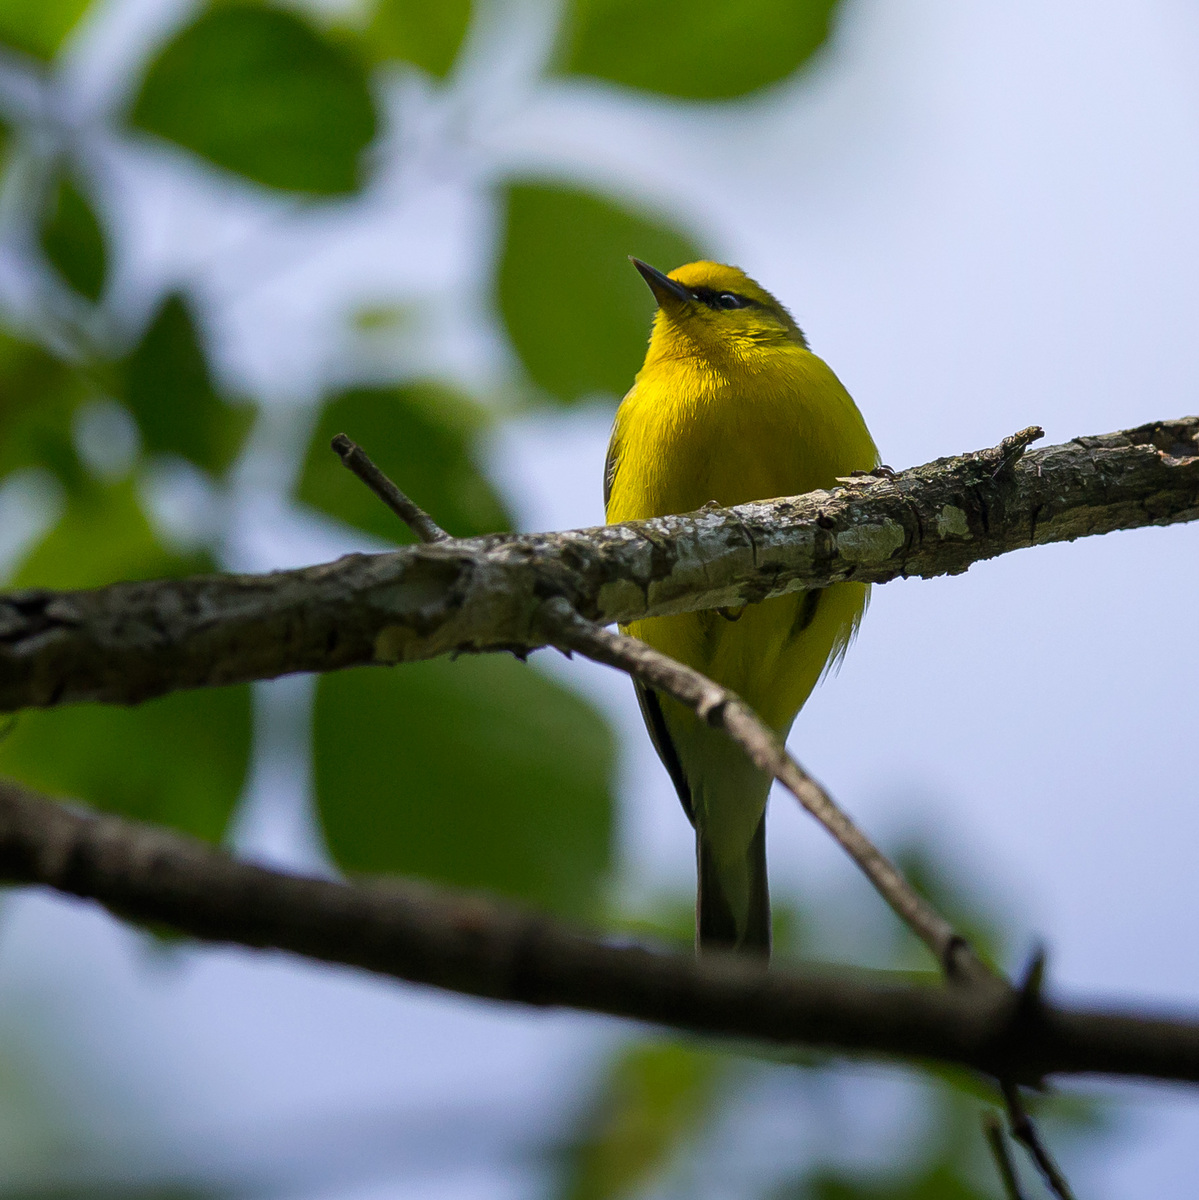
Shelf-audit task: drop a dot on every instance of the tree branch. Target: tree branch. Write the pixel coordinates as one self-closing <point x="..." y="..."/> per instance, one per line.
<point x="1025" y="1132"/>
<point x="355" y="459"/>
<point x="479" y="947"/>
<point x="997" y="1141"/>
<point x="130" y="641"/>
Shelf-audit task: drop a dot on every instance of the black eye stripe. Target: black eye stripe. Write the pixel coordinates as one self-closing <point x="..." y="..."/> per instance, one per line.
<point x="723" y="300"/>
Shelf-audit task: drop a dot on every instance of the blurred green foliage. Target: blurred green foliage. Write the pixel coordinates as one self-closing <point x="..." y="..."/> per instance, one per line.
<point x="694" y="49"/>
<point x="576" y="310"/>
<point x="422" y="434"/>
<point x="651" y="1098"/>
<point x="39" y="395"/>
<point x="179" y="761"/>
<point x="414" y="31"/>
<point x="72" y="239"/>
<point x="480" y="772"/>
<point x="169" y="389"/>
<point x="39" y="27"/>
<point x="939" y="1182"/>
<point x="103" y="536"/>
<point x="260" y="92"/>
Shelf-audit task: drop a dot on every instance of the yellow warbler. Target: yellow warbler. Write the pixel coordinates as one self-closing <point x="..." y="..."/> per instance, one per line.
<point x="732" y="406"/>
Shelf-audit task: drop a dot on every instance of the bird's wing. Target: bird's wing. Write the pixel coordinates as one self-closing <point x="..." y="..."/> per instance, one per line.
<point x="647" y="698"/>
<point x="610" y="461"/>
<point x="659" y="734"/>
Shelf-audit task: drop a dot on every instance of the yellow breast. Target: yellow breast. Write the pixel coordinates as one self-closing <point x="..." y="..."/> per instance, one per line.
<point x="690" y="432"/>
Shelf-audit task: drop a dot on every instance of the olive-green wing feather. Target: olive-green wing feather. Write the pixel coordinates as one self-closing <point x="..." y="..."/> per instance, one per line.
<point x="610" y="461"/>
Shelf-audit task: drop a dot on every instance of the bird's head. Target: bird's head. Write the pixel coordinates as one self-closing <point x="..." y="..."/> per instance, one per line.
<point x="714" y="311"/>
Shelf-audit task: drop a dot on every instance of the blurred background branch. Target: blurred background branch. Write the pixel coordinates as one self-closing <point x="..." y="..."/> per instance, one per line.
<point x="481" y="948"/>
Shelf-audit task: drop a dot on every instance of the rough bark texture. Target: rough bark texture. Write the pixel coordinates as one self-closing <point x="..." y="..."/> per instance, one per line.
<point x="130" y="641"/>
<point x="483" y="948"/>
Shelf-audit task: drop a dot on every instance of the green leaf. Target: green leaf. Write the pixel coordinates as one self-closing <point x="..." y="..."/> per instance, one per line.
<point x="695" y="49"/>
<point x="940" y="1182"/>
<point x="259" y="91"/>
<point x="652" y="1101"/>
<point x="972" y="915"/>
<point x="39" y="27"/>
<point x="103" y="536"/>
<point x="73" y="240"/>
<point x="169" y="390"/>
<point x="38" y="398"/>
<point x="180" y="760"/>
<point x="481" y="773"/>
<point x="420" y="436"/>
<point x="429" y="35"/>
<point x="576" y="310"/>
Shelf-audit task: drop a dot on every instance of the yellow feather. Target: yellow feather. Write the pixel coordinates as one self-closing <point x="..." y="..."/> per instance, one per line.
<point x="731" y="406"/>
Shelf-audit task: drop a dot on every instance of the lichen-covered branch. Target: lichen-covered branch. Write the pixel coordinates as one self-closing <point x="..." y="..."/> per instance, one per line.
<point x="480" y="947"/>
<point x="131" y="641"/>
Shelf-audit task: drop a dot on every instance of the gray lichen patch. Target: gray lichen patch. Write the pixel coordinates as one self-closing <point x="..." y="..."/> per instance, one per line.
<point x="620" y="596"/>
<point x="871" y="543"/>
<point x="952" y="522"/>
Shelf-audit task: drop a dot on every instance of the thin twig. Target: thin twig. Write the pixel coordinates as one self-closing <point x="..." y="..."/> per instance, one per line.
<point x="357" y="460"/>
<point x="997" y="1140"/>
<point x="724" y="710"/>
<point x="1025" y="1132"/>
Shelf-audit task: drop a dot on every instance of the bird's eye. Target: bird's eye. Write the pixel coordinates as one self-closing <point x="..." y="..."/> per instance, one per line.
<point x="728" y="300"/>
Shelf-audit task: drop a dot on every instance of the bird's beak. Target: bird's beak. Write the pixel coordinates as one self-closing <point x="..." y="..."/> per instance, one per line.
<point x="666" y="291"/>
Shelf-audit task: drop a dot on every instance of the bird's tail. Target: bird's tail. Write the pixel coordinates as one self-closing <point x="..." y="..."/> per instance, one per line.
<point x="732" y="909"/>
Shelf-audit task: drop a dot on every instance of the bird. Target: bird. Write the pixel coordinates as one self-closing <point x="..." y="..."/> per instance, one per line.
<point x="730" y="406"/>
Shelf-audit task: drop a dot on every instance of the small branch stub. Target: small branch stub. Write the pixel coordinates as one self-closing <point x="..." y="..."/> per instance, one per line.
<point x="355" y="459"/>
<point x="1012" y="448"/>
